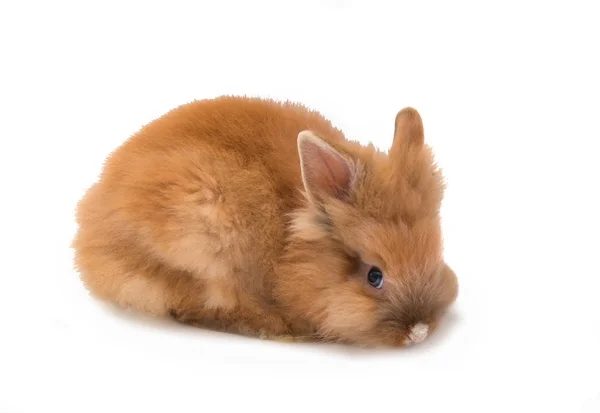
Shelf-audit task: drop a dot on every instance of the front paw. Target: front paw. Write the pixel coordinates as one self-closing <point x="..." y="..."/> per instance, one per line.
<point x="288" y="338"/>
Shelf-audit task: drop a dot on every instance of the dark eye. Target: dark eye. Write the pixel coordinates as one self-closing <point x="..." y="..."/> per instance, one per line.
<point x="375" y="277"/>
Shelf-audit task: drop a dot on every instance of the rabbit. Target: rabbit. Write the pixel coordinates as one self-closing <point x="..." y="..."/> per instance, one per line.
<point x="259" y="218"/>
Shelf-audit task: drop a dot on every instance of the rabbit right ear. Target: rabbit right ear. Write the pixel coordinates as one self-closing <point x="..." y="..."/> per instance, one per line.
<point x="325" y="172"/>
<point x="408" y="130"/>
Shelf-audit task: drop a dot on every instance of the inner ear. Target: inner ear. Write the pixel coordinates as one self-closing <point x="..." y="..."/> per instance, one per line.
<point x="325" y="171"/>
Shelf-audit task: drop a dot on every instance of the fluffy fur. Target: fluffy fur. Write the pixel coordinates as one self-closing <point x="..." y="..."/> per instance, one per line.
<point x="259" y="217"/>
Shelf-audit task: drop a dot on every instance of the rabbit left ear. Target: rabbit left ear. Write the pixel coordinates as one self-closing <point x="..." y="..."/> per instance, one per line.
<point x="325" y="171"/>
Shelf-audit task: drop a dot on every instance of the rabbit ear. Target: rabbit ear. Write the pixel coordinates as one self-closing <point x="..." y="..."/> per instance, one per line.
<point x="408" y="129"/>
<point x="325" y="172"/>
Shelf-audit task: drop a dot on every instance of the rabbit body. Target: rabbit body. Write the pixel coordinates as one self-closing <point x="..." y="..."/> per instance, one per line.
<point x="242" y="215"/>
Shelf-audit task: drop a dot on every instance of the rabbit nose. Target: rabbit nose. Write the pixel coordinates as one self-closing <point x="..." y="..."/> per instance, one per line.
<point x="418" y="333"/>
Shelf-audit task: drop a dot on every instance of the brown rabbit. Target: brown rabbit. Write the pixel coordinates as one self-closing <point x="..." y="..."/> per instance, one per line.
<point x="258" y="217"/>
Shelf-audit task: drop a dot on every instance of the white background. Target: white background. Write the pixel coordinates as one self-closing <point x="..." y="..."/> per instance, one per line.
<point x="510" y="97"/>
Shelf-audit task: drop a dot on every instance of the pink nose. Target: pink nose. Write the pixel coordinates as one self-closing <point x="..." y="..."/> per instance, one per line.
<point x="418" y="333"/>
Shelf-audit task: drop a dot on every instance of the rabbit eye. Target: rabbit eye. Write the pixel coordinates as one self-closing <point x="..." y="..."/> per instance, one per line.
<point x="375" y="277"/>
